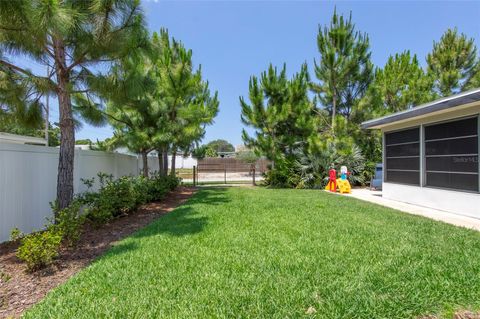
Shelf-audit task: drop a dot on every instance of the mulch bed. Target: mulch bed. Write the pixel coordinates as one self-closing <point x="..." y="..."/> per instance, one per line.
<point x="20" y="290"/>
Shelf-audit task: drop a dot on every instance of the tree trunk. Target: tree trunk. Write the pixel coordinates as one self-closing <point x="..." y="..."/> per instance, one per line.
<point x="145" y="164"/>
<point x="67" y="129"/>
<point x="334" y="111"/>
<point x="161" y="172"/>
<point x="252" y="169"/>
<point x="172" y="169"/>
<point x="165" y="161"/>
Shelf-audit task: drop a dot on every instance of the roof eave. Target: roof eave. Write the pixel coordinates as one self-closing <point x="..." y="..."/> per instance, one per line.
<point x="458" y="100"/>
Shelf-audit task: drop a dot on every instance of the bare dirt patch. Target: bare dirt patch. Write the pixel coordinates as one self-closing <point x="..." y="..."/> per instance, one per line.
<point x="19" y="290"/>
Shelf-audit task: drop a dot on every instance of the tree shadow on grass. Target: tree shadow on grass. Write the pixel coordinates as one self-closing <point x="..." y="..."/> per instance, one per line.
<point x="122" y="247"/>
<point x="210" y="196"/>
<point x="185" y="219"/>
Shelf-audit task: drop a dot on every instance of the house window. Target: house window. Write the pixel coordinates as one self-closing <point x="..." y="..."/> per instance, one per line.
<point x="451" y="155"/>
<point x="402" y="156"/>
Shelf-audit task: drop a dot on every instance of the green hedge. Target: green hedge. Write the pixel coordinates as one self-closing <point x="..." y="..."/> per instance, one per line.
<point x="114" y="198"/>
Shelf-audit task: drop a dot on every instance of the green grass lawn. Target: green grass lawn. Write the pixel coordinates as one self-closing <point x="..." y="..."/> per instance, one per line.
<point x="268" y="253"/>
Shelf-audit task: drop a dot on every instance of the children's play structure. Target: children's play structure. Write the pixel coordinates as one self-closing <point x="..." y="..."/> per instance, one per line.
<point x="341" y="184"/>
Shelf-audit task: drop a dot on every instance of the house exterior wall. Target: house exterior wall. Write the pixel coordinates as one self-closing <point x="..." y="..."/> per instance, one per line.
<point x="455" y="201"/>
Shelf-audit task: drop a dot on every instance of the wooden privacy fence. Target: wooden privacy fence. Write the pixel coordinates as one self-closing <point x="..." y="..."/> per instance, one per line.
<point x="209" y="169"/>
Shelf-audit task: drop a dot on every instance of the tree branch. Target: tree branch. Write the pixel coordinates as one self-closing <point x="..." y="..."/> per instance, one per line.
<point x="18" y="69"/>
<point x="116" y="119"/>
<point x="6" y="28"/>
<point x="79" y="60"/>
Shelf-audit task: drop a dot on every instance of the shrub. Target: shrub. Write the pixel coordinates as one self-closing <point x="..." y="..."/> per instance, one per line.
<point x="141" y="188"/>
<point x="69" y="222"/>
<point x="39" y="249"/>
<point x="173" y="182"/>
<point x="121" y="196"/>
<point x="310" y="169"/>
<point x="118" y="196"/>
<point x="16" y="234"/>
<point x="282" y="175"/>
<point x="161" y="185"/>
<point x="114" y="198"/>
<point x="98" y="215"/>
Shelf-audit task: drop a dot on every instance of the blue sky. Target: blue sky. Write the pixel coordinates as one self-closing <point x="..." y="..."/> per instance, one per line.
<point x="233" y="40"/>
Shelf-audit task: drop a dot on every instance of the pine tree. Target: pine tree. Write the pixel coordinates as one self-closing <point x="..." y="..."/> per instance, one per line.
<point x="17" y="106"/>
<point x="453" y="63"/>
<point x="130" y="110"/>
<point x="71" y="38"/>
<point x="187" y="102"/>
<point x="280" y="112"/>
<point x="401" y="84"/>
<point x="344" y="69"/>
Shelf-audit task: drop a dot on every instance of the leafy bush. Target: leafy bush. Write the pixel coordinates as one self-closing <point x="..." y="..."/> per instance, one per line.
<point x="69" y="222"/>
<point x="121" y="196"/>
<point x="172" y="182"/>
<point x="118" y="195"/>
<point x="141" y="188"/>
<point x="39" y="249"/>
<point x="159" y="186"/>
<point x="310" y="169"/>
<point x="282" y="175"/>
<point x="16" y="234"/>
<point x="114" y="198"/>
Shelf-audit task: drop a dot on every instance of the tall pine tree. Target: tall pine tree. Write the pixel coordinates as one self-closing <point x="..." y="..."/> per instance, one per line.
<point x="71" y="38"/>
<point x="453" y="63"/>
<point x="280" y="113"/>
<point x="187" y="102"/>
<point x="399" y="85"/>
<point x="344" y="69"/>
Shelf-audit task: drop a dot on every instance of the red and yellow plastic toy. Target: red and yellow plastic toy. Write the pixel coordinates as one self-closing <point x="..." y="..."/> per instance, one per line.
<point x="341" y="183"/>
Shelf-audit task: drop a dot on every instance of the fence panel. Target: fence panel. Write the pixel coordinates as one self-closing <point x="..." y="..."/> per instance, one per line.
<point x="27" y="184"/>
<point x="28" y="179"/>
<point x="229" y="169"/>
<point x="181" y="162"/>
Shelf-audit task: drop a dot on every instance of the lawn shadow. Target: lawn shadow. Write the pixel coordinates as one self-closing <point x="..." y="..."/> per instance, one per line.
<point x="210" y="196"/>
<point x="121" y="247"/>
<point x="115" y="249"/>
<point x="185" y="219"/>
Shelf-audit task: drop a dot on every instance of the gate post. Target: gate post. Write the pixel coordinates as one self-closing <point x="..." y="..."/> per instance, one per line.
<point x="193" y="175"/>
<point x="253" y="175"/>
<point x="225" y="172"/>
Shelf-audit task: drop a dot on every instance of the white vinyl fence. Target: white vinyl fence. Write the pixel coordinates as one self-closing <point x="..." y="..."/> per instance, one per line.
<point x="180" y="162"/>
<point x="28" y="179"/>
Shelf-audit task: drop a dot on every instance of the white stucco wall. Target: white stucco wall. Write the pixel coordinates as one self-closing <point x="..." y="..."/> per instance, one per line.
<point x="457" y="202"/>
